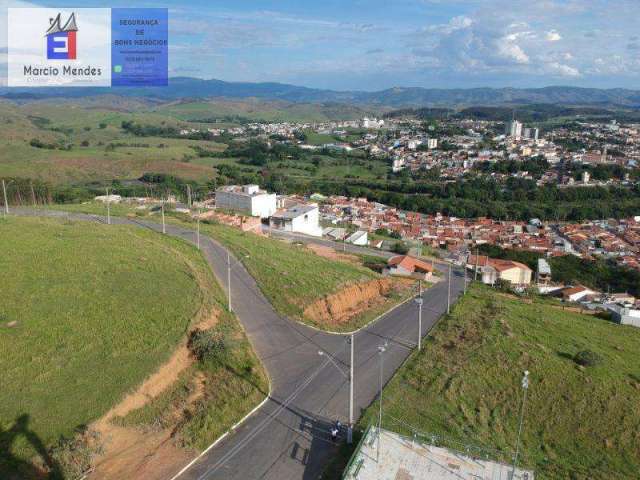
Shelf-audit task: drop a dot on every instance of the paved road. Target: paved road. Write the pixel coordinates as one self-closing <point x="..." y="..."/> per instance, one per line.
<point x="288" y="437"/>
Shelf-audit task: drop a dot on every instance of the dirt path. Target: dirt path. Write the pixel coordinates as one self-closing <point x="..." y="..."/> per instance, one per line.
<point x="131" y="453"/>
<point x="330" y="253"/>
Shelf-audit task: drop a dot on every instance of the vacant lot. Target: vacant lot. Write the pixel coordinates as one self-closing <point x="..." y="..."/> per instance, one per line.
<point x="580" y="422"/>
<point x="291" y="276"/>
<point x="87" y="312"/>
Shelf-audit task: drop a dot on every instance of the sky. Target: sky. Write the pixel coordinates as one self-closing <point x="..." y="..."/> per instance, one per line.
<point x="379" y="44"/>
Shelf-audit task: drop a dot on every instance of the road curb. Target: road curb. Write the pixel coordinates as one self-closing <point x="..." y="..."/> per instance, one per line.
<point x="224" y="435"/>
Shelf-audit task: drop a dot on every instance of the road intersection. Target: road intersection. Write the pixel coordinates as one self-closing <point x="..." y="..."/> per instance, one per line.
<point x="288" y="437"/>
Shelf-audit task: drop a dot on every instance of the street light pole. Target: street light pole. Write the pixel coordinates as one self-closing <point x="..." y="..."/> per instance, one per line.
<point x="164" y="229"/>
<point x="351" y="372"/>
<point x="381" y="350"/>
<point x="449" y="292"/>
<point x="464" y="292"/>
<point x="198" y="230"/>
<point x="419" y="302"/>
<point x="229" y="279"/>
<point x="108" y="207"/>
<point x="6" y="203"/>
<point x="525" y="387"/>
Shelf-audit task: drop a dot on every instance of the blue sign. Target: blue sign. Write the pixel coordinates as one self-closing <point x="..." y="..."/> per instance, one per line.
<point x="139" y="47"/>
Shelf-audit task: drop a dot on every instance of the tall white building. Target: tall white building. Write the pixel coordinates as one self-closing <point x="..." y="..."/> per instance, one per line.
<point x="247" y="199"/>
<point x="514" y="129"/>
<point x="432" y="143"/>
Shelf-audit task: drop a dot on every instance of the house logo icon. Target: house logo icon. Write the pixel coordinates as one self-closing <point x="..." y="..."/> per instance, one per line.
<point x="61" y="41"/>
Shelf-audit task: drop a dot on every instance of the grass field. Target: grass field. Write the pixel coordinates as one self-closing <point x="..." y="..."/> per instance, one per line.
<point x="87" y="313"/>
<point x="289" y="275"/>
<point x="102" y="151"/>
<point x="580" y="422"/>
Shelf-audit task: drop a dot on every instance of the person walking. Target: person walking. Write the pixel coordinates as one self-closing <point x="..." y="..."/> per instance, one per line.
<point x="334" y="433"/>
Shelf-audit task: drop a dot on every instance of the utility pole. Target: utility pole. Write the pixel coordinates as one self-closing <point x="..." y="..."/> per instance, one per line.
<point x="475" y="275"/>
<point x="351" y="365"/>
<point x="164" y="228"/>
<point x="229" y="279"/>
<point x="189" y="196"/>
<point x="108" y="207"/>
<point x="525" y="387"/>
<point x="381" y="350"/>
<point x="33" y="194"/>
<point x="449" y="292"/>
<point x="198" y="230"/>
<point x="464" y="292"/>
<point x="419" y="302"/>
<point x="6" y="204"/>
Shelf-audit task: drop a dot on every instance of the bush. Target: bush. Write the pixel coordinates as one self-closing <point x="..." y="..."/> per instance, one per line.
<point x="74" y="456"/>
<point x="208" y="345"/>
<point x="400" y="248"/>
<point x="587" y="358"/>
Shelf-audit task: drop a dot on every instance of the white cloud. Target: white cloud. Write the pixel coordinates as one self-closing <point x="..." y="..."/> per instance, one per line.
<point x="563" y="70"/>
<point x="511" y="51"/>
<point x="553" y="36"/>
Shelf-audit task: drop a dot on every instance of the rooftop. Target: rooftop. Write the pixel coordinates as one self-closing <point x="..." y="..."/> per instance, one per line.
<point x="295" y="211"/>
<point x="401" y="458"/>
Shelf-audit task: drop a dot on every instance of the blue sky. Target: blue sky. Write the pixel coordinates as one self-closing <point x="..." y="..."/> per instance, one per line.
<point x="373" y="44"/>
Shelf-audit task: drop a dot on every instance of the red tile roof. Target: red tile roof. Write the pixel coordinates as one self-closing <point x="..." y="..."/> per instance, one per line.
<point x="410" y="264"/>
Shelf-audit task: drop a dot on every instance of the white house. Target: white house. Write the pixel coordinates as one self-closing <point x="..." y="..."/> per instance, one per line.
<point x="577" y="293"/>
<point x="247" y="199"/>
<point x="301" y="218"/>
<point x="358" y="238"/>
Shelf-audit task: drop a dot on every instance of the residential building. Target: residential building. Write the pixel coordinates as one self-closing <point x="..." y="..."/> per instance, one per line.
<point x="494" y="269"/>
<point x="577" y="293"/>
<point x="247" y="199"/>
<point x="514" y="129"/>
<point x="301" y="218"/>
<point x="544" y="272"/>
<point x="406" y="266"/>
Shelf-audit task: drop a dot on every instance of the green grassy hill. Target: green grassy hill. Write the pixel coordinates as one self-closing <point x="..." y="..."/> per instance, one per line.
<point x="580" y="422"/>
<point x="87" y="313"/>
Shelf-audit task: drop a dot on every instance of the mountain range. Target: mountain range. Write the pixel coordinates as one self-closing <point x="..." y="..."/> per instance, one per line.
<point x="186" y="87"/>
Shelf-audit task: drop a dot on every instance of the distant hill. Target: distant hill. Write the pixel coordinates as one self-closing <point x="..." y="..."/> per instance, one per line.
<point x="185" y="87"/>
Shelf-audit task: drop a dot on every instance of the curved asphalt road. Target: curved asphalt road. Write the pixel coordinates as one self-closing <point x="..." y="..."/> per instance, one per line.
<point x="288" y="437"/>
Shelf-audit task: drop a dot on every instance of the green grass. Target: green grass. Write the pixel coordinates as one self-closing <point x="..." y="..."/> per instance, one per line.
<point x="580" y="423"/>
<point x="97" y="309"/>
<point x="290" y="276"/>
<point x="231" y="388"/>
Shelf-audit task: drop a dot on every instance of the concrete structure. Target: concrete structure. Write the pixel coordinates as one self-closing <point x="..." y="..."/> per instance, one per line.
<point x="359" y="238"/>
<point x="624" y="315"/>
<point x="301" y="218"/>
<point x="432" y="143"/>
<point x="335" y="233"/>
<point x="247" y="199"/>
<point x="111" y="198"/>
<point x="403" y="458"/>
<point x="406" y="266"/>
